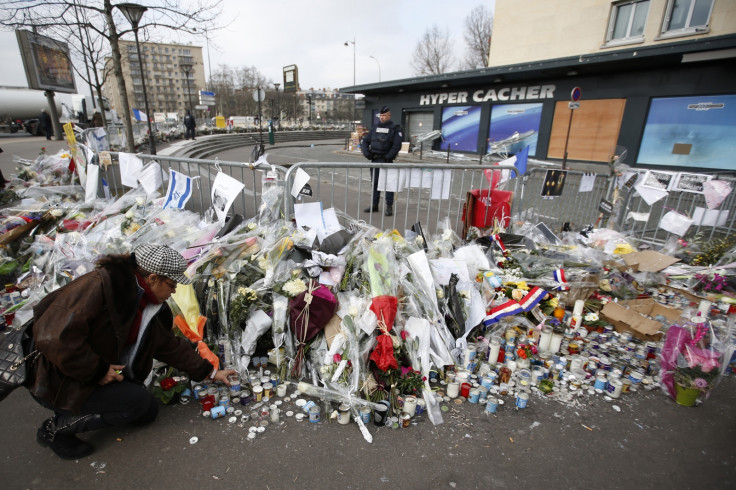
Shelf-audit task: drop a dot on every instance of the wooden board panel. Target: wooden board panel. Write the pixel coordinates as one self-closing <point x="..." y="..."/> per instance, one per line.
<point x="593" y="133"/>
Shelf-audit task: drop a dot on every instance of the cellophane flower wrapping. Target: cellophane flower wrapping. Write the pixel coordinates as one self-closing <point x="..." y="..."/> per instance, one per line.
<point x="272" y="193"/>
<point x="694" y="354"/>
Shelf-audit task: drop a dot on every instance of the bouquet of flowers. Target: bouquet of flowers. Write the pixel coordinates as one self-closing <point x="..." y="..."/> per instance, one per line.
<point x="691" y="360"/>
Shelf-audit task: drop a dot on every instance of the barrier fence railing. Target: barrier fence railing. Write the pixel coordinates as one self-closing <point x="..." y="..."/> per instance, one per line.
<point x="425" y="193"/>
<point x="435" y="193"/>
<point x="203" y="173"/>
<point x="681" y="206"/>
<point x="561" y="204"/>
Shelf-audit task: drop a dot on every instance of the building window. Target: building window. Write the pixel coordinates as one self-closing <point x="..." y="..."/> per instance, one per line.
<point x="687" y="16"/>
<point x="627" y="22"/>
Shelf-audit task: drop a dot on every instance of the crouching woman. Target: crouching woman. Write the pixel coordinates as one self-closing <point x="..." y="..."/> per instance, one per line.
<point x="98" y="336"/>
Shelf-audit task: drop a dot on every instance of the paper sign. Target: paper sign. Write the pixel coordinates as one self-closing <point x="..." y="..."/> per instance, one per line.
<point x="93" y="177"/>
<point x="441" y="181"/>
<point x="554" y="183"/>
<point x="443" y="268"/>
<point x="224" y="191"/>
<point x="655" y="179"/>
<point x="675" y="223"/>
<point x="105" y="159"/>
<point x="587" y="182"/>
<point x="300" y="180"/>
<point x="715" y="192"/>
<point x="130" y="167"/>
<point x="309" y="214"/>
<point x="649" y="194"/>
<point x="687" y="182"/>
<point x="710" y="217"/>
<point x="150" y="177"/>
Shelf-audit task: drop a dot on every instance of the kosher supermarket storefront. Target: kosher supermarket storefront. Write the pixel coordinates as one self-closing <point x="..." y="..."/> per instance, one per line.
<point x="669" y="105"/>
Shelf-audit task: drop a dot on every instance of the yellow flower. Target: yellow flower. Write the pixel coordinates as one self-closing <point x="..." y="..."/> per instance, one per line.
<point x="517" y="294"/>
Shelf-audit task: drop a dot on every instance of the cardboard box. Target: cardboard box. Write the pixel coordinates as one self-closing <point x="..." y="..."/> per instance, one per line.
<point x="631" y="316"/>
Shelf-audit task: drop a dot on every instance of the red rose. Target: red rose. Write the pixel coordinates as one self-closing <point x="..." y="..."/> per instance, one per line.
<point x="167" y="384"/>
<point x="404" y="335"/>
<point x="336" y="358"/>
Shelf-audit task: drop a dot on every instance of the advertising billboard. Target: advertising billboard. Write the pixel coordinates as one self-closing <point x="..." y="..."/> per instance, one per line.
<point x="690" y="132"/>
<point x="291" y="78"/>
<point x="510" y="122"/>
<point x="47" y="63"/>
<point x="460" y="128"/>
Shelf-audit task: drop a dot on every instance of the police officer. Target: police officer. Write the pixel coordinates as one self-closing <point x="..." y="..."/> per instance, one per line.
<point x="381" y="145"/>
<point x="190" y="124"/>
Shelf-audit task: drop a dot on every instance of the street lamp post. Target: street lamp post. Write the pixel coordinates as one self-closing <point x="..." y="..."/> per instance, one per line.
<point x="379" y="67"/>
<point x="134" y="12"/>
<point x="186" y="67"/>
<point x="352" y="117"/>
<point x="278" y="105"/>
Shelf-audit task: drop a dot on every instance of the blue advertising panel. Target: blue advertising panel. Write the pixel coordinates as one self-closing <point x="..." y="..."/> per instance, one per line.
<point x="690" y="132"/>
<point x="460" y="128"/>
<point x="522" y="120"/>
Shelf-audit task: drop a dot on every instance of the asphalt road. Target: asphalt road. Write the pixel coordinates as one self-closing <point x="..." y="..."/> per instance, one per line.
<point x="642" y="440"/>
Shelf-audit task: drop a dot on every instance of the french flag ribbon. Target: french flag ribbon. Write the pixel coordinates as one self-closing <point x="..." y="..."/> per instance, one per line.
<point x="509" y="308"/>
<point x="497" y="239"/>
<point x="559" y="276"/>
<point x="532" y="299"/>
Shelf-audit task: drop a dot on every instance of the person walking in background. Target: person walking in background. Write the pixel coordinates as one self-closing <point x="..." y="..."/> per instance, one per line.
<point x="190" y="124"/>
<point x="45" y="121"/>
<point x="97" y="120"/>
<point x="381" y="145"/>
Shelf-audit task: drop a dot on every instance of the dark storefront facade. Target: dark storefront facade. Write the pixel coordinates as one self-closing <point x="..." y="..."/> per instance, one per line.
<point x="669" y="106"/>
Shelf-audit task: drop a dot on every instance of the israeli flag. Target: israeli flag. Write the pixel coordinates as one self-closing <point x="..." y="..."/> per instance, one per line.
<point x="180" y="190"/>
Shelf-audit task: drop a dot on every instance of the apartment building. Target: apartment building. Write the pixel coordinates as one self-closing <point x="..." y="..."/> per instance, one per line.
<point x="166" y="80"/>
<point x="526" y="31"/>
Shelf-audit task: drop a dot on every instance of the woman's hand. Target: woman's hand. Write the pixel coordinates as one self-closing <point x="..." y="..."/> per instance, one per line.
<point x="114" y="373"/>
<point x="222" y="374"/>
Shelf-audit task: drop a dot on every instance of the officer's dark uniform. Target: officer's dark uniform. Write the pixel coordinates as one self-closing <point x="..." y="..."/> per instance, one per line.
<point x="381" y="145"/>
<point x="189" y="124"/>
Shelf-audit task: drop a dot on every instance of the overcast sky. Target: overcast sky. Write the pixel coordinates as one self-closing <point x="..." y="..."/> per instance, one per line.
<point x="270" y="34"/>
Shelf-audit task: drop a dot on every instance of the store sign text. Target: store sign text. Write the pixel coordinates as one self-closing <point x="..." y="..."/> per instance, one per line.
<point x="533" y="92"/>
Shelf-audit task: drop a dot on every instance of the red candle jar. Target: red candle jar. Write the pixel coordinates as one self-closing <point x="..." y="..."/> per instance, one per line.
<point x="465" y="389"/>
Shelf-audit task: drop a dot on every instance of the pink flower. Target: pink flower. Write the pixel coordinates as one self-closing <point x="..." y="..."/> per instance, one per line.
<point x="337" y="358"/>
<point x="701" y="383"/>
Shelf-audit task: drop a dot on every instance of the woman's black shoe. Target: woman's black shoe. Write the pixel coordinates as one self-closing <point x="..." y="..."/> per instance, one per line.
<point x="66" y="446"/>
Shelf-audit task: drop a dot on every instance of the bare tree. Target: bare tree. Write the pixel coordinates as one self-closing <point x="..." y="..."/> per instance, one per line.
<point x="101" y="17"/>
<point x="234" y="89"/>
<point x="433" y="52"/>
<point x="477" y="35"/>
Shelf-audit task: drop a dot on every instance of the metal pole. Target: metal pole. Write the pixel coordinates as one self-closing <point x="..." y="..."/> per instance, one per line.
<point x="151" y="137"/>
<point x="260" y="117"/>
<point x="189" y="94"/>
<point x="567" y="138"/>
<point x="353" y="116"/>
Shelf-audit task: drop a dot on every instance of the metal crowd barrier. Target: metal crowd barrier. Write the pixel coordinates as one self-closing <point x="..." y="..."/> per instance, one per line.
<point x="568" y="207"/>
<point x="204" y="173"/>
<point x="642" y="221"/>
<point x="432" y="193"/>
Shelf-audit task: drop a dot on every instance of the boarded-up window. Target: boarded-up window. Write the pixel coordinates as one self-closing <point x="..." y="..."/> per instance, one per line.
<point x="593" y="133"/>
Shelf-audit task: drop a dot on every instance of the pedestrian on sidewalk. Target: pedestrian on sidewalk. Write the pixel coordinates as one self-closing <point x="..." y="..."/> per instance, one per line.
<point x="98" y="336"/>
<point x="45" y="121"/>
<point x="190" y="124"/>
<point x="381" y="145"/>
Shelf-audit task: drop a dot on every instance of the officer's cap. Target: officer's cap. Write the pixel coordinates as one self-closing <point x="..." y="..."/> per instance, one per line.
<point x="384" y="110"/>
